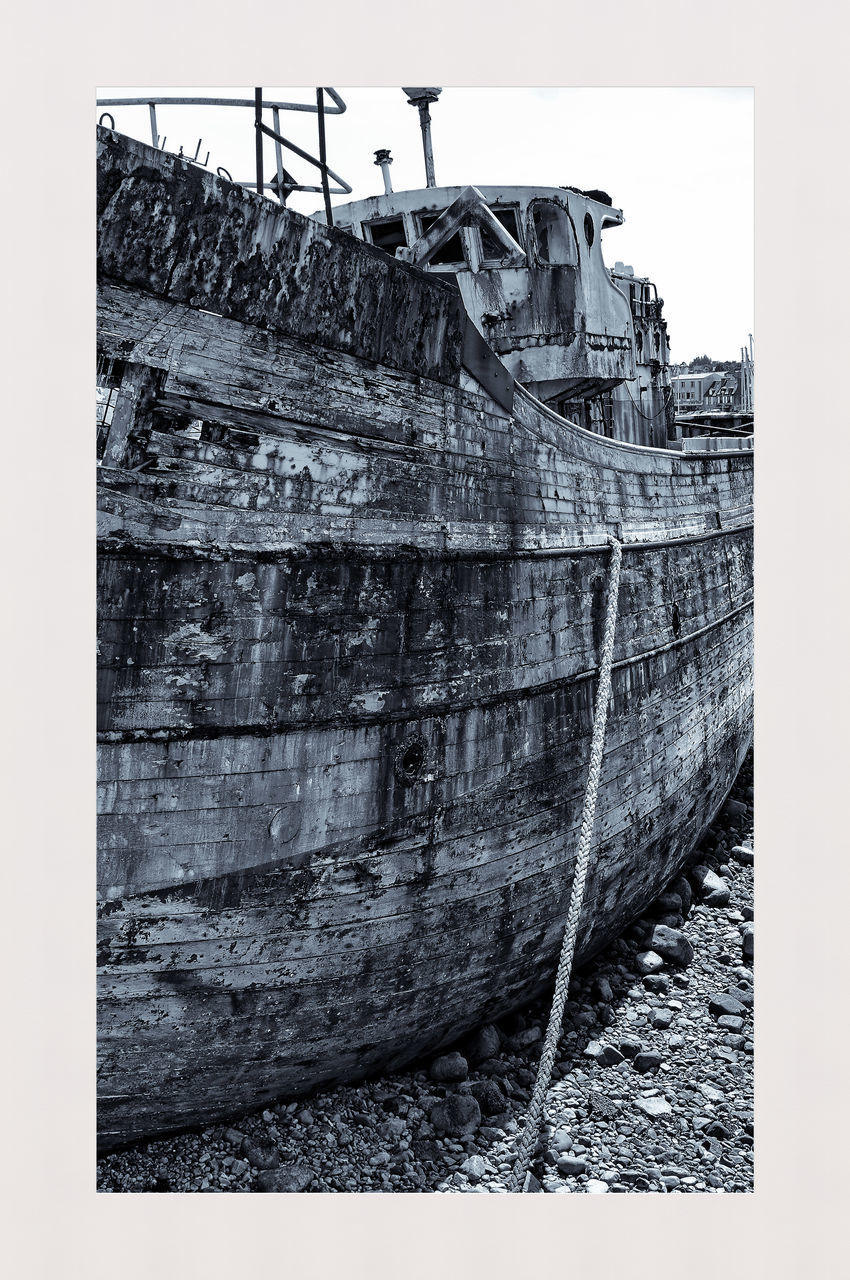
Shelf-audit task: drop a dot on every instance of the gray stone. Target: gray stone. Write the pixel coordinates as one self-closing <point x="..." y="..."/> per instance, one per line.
<point x="747" y="943"/>
<point x="609" y="1056"/>
<point x="743" y="855"/>
<point x="571" y="1166"/>
<point x="673" y="919"/>
<point x="718" y="1130"/>
<point x="661" y="1019"/>
<point x="474" y="1168"/>
<point x="721" y="1004"/>
<point x="456" y="1115"/>
<point x="657" y="983"/>
<point x="394" y="1127"/>
<point x="654" y="1107"/>
<point x="629" y="1048"/>
<point x="681" y="887"/>
<point x="735" y="809"/>
<point x="482" y="1044"/>
<point x="596" y="1186"/>
<point x="730" y="1023"/>
<point x="449" y="1068"/>
<point x="647" y="1061"/>
<point x="713" y="890"/>
<point x="648" y="962"/>
<point x="562" y="1141"/>
<point x="262" y="1155"/>
<point x="668" y="901"/>
<point x="672" y="945"/>
<point x="524" y="1039"/>
<point x="289" y="1177"/>
<point x="602" y="990"/>
<point x="697" y="874"/>
<point x="555" y="1187"/>
<point x="489" y="1097"/>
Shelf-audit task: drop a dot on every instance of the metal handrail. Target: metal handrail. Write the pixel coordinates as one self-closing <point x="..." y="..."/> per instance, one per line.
<point x="224" y="102"/>
<point x="283" y="184"/>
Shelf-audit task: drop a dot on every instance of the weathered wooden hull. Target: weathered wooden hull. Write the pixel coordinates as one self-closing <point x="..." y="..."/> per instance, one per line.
<point x="348" y="653"/>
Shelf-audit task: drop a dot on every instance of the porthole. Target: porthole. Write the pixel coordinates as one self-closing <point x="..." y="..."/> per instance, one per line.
<point x="410" y="760"/>
<point x="589" y="229"/>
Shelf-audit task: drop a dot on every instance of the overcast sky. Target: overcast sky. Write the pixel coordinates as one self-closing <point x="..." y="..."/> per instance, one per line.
<point x="678" y="162"/>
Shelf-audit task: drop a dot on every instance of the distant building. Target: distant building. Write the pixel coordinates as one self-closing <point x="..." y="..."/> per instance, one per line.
<point x="724" y="393"/>
<point x="690" y="389"/>
<point x="705" y="391"/>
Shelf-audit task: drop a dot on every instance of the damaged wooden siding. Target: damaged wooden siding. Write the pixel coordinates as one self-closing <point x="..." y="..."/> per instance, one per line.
<point x="168" y="228"/>
<point x="350" y="616"/>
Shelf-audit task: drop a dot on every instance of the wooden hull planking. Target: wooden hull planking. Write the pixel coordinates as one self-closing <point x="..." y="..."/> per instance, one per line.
<point x="349" y="636"/>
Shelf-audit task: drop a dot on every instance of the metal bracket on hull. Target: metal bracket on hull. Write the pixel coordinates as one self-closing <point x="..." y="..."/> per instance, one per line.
<point x="485" y="366"/>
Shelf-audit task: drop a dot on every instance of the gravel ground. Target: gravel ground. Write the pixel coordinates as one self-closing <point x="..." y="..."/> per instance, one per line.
<point x="652" y="1090"/>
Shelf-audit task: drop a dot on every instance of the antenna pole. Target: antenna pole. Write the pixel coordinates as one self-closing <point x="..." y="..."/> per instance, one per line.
<point x="421" y="98"/>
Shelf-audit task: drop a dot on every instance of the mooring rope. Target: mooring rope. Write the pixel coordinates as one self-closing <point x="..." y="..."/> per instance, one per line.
<point x="565" y="963"/>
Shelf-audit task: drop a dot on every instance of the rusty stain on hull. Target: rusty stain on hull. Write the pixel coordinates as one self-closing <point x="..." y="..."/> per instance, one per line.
<point x="349" y="608"/>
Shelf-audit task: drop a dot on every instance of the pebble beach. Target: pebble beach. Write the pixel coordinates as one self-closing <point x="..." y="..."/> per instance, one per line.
<point x="652" y="1089"/>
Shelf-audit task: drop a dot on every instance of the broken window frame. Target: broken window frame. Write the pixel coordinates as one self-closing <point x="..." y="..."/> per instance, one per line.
<point x="455" y="264"/>
<point x="516" y="232"/>
<point x="367" y="230"/>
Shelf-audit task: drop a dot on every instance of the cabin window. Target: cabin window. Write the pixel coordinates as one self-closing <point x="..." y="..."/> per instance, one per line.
<point x="388" y="234"/>
<point x="451" y="254"/>
<point x="556" y="241"/>
<point x="589" y="229"/>
<point x="490" y="246"/>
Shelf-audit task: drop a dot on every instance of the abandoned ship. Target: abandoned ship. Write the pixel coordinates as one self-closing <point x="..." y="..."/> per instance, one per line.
<point x="356" y="485"/>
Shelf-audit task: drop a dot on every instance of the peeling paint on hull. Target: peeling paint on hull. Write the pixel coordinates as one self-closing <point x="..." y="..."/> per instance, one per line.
<point x="350" y="614"/>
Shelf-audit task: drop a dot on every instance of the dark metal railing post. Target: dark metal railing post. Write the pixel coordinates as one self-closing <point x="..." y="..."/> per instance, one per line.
<point x="278" y="156"/>
<point x="258" y="122"/>
<point x="320" y="103"/>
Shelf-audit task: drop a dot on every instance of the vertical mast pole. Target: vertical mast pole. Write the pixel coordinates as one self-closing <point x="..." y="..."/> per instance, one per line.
<point x="258" y="120"/>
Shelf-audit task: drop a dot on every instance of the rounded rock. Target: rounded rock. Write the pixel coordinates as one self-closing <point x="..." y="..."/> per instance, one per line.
<point x="449" y="1068"/>
<point x="672" y="945"/>
<point x="456" y="1115"/>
